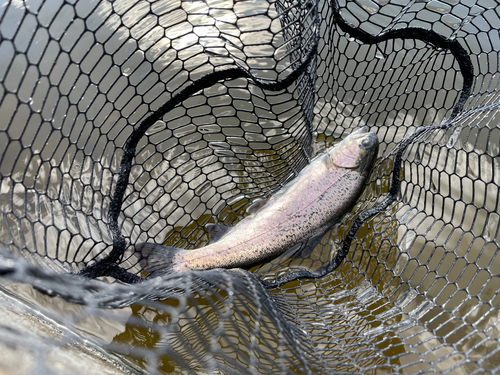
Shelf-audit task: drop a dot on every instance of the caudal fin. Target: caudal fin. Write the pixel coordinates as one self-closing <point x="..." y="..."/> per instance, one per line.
<point x="156" y="258"/>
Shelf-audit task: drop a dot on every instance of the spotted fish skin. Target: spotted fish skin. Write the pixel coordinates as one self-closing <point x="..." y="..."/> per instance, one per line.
<point x="317" y="198"/>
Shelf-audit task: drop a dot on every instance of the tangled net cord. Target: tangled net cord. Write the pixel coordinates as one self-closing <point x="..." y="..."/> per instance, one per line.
<point x="108" y="266"/>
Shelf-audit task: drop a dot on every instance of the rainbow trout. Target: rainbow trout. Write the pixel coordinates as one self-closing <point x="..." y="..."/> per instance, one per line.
<point x="317" y="198"/>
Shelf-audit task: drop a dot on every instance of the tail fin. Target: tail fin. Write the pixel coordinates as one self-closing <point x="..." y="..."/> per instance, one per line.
<point x="156" y="258"/>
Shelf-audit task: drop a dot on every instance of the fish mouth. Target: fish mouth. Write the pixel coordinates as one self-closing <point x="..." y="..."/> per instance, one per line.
<point x="362" y="130"/>
<point x="368" y="149"/>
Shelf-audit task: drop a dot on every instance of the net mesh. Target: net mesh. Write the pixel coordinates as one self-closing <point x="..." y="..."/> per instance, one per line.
<point x="133" y="121"/>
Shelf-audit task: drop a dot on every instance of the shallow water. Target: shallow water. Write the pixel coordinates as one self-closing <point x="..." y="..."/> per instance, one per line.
<point x="417" y="290"/>
<point x="368" y="311"/>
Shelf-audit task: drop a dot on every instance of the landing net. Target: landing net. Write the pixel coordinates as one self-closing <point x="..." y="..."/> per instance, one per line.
<point x="132" y="121"/>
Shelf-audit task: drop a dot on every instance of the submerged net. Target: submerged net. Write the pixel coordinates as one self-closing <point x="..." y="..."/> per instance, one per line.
<point x="131" y="121"/>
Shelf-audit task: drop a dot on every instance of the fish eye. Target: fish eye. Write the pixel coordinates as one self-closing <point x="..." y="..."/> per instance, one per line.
<point x="366" y="142"/>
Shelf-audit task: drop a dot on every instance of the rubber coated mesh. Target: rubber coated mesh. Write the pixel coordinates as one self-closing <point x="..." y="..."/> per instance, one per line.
<point x="132" y="121"/>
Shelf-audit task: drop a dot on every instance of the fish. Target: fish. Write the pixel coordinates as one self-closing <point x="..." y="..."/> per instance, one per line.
<point x="324" y="191"/>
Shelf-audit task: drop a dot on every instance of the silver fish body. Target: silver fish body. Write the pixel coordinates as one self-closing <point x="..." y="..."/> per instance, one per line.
<point x="318" y="197"/>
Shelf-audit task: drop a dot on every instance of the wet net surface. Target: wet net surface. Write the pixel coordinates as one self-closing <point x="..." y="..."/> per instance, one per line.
<point x="126" y="122"/>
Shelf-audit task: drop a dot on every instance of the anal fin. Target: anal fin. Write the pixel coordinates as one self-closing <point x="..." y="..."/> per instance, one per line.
<point x="308" y="247"/>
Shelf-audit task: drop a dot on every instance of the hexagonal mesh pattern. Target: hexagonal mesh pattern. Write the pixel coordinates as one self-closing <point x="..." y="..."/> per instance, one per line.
<point x="135" y="121"/>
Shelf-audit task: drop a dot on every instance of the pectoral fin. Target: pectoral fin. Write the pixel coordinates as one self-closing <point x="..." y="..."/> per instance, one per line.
<point x="257" y="205"/>
<point x="216" y="232"/>
<point x="327" y="161"/>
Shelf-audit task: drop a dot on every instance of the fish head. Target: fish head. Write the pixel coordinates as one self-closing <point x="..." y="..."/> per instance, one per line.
<point x="357" y="151"/>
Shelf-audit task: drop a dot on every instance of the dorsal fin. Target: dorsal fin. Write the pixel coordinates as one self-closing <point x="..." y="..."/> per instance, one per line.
<point x="257" y="205"/>
<point x="216" y="232"/>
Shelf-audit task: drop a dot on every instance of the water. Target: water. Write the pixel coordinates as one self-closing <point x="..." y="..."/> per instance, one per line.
<point x="386" y="313"/>
<point x="400" y="295"/>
